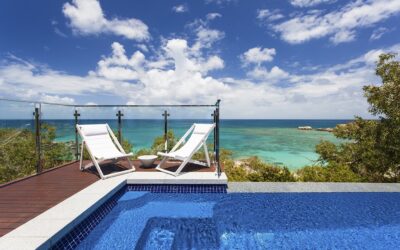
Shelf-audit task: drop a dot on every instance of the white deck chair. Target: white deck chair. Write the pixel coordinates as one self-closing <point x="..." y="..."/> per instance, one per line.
<point x="102" y="145"/>
<point x="198" y="139"/>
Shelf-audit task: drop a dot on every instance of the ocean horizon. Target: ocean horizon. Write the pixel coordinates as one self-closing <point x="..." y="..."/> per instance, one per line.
<point x="277" y="141"/>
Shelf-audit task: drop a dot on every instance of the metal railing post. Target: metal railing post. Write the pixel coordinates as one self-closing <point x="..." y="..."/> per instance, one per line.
<point x="76" y="115"/>
<point x="165" y="114"/>
<point x="217" y="137"/>
<point x="119" y="115"/>
<point x="214" y="135"/>
<point x="37" y="139"/>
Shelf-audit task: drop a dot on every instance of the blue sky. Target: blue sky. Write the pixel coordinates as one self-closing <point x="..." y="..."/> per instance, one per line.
<point x="264" y="59"/>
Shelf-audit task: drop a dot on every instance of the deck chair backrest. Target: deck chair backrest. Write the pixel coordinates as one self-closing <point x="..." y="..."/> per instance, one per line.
<point x="98" y="139"/>
<point x="203" y="129"/>
<point x="200" y="134"/>
<point x="94" y="129"/>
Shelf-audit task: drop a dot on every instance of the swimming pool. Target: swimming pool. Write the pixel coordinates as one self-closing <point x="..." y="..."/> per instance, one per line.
<point x="152" y="217"/>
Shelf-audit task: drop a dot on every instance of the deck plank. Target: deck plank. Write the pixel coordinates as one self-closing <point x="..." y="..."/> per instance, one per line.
<point x="25" y="199"/>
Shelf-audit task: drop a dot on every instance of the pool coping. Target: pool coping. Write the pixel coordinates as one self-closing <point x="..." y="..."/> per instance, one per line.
<point x="46" y="229"/>
<point x="310" y="187"/>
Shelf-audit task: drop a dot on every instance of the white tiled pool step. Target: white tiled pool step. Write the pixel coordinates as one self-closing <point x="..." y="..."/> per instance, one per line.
<point x="185" y="178"/>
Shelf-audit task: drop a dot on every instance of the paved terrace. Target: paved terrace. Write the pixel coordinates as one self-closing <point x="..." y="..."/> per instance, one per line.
<point x="22" y="200"/>
<point x="310" y="187"/>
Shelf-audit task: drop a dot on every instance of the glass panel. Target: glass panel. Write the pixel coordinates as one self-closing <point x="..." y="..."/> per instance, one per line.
<point x="57" y="135"/>
<point x="17" y="140"/>
<point x="181" y="119"/>
<point x="141" y="127"/>
<point x="142" y="132"/>
<point x="98" y="115"/>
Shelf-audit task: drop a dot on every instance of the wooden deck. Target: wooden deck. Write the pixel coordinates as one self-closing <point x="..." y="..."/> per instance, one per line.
<point x="23" y="200"/>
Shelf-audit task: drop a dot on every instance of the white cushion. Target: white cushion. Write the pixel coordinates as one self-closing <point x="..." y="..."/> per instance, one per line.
<point x="99" y="142"/>
<point x="200" y="128"/>
<point x="94" y="129"/>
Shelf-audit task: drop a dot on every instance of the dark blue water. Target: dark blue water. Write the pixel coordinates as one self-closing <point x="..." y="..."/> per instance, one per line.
<point x="144" y="220"/>
<point x="276" y="141"/>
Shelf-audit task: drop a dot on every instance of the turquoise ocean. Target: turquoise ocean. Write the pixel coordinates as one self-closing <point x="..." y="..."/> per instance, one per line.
<point x="275" y="141"/>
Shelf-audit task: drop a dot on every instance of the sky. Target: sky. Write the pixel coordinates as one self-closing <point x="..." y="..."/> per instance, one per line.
<point x="276" y="59"/>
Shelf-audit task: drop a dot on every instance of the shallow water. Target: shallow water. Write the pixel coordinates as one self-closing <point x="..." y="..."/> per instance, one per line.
<point x="144" y="220"/>
<point x="276" y="141"/>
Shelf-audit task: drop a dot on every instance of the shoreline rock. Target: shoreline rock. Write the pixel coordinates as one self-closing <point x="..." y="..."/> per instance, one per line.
<point x="325" y="129"/>
<point x="308" y="128"/>
<point x="304" y="128"/>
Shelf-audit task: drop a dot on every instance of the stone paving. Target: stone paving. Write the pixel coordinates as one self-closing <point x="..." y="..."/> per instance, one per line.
<point x="278" y="187"/>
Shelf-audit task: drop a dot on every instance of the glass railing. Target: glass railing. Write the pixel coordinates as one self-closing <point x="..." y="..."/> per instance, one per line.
<point x="18" y="156"/>
<point x="35" y="137"/>
<point x="57" y="136"/>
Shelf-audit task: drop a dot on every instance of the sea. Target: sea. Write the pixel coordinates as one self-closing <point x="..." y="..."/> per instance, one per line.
<point x="275" y="141"/>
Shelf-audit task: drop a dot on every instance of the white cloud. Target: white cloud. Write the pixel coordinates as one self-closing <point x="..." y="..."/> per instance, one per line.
<point x="180" y="8"/>
<point x="54" y="23"/>
<point x="143" y="47"/>
<point x="91" y="103"/>
<point x="261" y="73"/>
<point x="180" y="76"/>
<point x="186" y="60"/>
<point x="212" y="16"/>
<point x="205" y="36"/>
<point x="119" y="66"/>
<point x="343" y="36"/>
<point x="378" y="33"/>
<point x="339" y="25"/>
<point x="87" y="18"/>
<point x="258" y="55"/>
<point x="213" y="63"/>
<point x="54" y="99"/>
<point x="59" y="32"/>
<point x="34" y="80"/>
<point x="309" y="3"/>
<point x="267" y="15"/>
<point x="220" y="2"/>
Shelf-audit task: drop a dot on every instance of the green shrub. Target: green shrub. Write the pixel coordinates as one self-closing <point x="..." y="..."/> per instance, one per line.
<point x="312" y="173"/>
<point x="254" y="169"/>
<point x="234" y="172"/>
<point x="18" y="156"/>
<point x="262" y="171"/>
<point x="331" y="173"/>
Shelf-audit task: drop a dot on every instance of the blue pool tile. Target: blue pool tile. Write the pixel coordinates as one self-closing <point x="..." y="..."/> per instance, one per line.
<point x="78" y="234"/>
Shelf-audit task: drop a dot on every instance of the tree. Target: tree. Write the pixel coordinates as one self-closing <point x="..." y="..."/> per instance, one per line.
<point x="159" y="142"/>
<point x="372" y="150"/>
<point x="18" y="156"/>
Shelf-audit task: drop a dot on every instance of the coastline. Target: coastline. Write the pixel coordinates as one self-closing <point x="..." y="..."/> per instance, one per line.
<point x="278" y="142"/>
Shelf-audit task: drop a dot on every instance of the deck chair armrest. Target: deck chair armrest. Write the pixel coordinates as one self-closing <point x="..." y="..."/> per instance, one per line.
<point x="163" y="154"/>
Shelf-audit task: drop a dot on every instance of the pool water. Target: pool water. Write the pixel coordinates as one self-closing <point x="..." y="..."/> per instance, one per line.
<point x="146" y="220"/>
